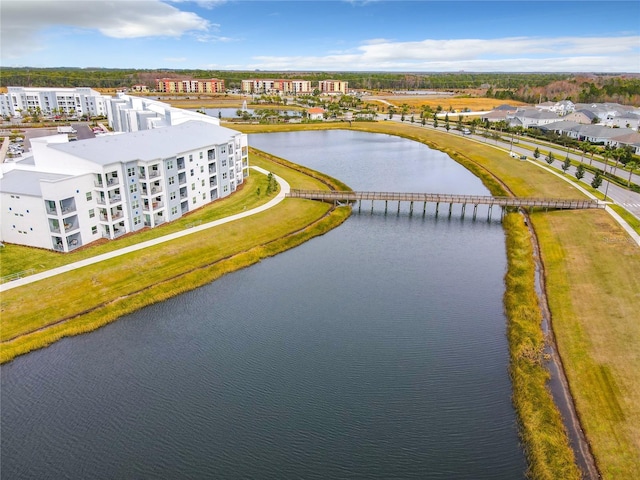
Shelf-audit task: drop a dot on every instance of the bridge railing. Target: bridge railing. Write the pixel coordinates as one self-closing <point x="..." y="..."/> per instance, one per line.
<point x="351" y="196"/>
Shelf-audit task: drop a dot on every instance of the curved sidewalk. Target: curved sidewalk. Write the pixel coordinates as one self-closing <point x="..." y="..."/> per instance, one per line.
<point x="284" y="190"/>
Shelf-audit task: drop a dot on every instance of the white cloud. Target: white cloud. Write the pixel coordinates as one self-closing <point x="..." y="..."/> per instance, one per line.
<point x="614" y="54"/>
<point x="24" y="21"/>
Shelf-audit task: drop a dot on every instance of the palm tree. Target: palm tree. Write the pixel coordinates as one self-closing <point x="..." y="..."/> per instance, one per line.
<point x="632" y="165"/>
<point x="584" y="147"/>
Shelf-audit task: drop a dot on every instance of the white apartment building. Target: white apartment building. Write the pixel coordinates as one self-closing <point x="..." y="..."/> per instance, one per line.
<point x="70" y="194"/>
<point x="130" y="114"/>
<point x="59" y="101"/>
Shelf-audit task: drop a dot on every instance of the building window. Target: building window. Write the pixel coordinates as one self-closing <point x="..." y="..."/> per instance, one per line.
<point x="131" y="172"/>
<point x="201" y="155"/>
<point x="191" y="171"/>
<point x="225" y="188"/>
<point x="172" y="180"/>
<point x="169" y="164"/>
<point x="195" y="199"/>
<point x="92" y="213"/>
<point x="94" y="230"/>
<point x="174" y="210"/>
<point x="224" y="162"/>
<point x="201" y="168"/>
<point x="137" y="220"/>
<point x="172" y="196"/>
<point x="190" y="158"/>
<point x="223" y="149"/>
<point x="224" y="175"/>
<point x="133" y="187"/>
<point x="193" y="186"/>
<point x="89" y="196"/>
<point x="204" y="196"/>
<point x="203" y="183"/>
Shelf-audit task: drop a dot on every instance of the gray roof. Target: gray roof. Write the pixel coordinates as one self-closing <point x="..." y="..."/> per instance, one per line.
<point x="148" y="145"/>
<point x="509" y="108"/>
<point x="561" y="125"/>
<point x="587" y="113"/>
<point x="535" y="114"/>
<point x="600" y="131"/>
<point x="27" y="182"/>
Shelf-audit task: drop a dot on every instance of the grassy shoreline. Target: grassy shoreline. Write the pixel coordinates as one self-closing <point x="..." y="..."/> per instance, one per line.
<point x="32" y="318"/>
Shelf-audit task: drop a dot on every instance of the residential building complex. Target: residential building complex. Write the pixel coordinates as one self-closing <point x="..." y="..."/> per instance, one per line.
<point x="268" y="86"/>
<point x="69" y="194"/>
<point x="75" y="102"/>
<point x="169" y="85"/>
<point x="333" y="87"/>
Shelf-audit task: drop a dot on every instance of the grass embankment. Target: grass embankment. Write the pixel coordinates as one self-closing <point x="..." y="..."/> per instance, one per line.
<point x="38" y="314"/>
<point x="592" y="284"/>
<point x="542" y="430"/>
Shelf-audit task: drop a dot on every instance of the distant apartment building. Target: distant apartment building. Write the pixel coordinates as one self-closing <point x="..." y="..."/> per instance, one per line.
<point x="169" y="85"/>
<point x="75" y="102"/>
<point x="333" y="87"/>
<point x="270" y="87"/>
<point x="139" y="88"/>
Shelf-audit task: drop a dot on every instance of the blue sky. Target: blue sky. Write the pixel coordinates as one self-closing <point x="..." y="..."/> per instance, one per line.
<point x="331" y="35"/>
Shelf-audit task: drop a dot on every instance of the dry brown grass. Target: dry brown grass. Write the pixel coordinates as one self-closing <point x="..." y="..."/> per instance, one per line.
<point x="458" y="103"/>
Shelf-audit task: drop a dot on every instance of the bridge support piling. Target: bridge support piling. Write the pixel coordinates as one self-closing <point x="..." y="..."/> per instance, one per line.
<point x="464" y="207"/>
<point x="359" y="205"/>
<point x="475" y="210"/>
<point x="424" y="209"/>
<point x="386" y="204"/>
<point x="489" y="213"/>
<point x="371" y="207"/>
<point x="398" y="207"/>
<point x="450" y="208"/>
<point x="411" y="208"/>
<point x="437" y="207"/>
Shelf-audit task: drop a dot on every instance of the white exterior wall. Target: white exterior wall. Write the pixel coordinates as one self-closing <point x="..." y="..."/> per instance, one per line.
<point x="103" y="199"/>
<point x="23" y="221"/>
<point x="77" y="101"/>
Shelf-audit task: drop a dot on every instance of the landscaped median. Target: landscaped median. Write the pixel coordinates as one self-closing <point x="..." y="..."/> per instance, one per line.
<point x="82" y="300"/>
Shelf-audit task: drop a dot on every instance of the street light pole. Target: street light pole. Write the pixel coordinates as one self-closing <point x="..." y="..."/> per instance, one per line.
<point x="605" y="176"/>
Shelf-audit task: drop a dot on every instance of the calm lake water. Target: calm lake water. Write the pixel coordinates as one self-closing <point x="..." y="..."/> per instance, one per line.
<point x="376" y="351"/>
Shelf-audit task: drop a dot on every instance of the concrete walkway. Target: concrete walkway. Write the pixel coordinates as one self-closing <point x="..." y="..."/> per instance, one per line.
<point x="284" y="190"/>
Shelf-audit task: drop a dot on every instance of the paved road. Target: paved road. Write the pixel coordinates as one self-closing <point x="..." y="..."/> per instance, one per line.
<point x="619" y="195"/>
<point x="284" y="189"/>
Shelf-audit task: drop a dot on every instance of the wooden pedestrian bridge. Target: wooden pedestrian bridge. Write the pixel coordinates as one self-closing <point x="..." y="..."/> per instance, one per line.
<point x="339" y="197"/>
